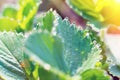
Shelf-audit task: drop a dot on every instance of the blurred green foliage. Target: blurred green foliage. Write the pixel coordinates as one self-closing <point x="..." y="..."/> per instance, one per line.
<point x="23" y="16"/>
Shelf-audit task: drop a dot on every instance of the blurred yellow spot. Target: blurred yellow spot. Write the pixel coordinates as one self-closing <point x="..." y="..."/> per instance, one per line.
<point x="111" y="12"/>
<point x="98" y="64"/>
<point x="118" y="1"/>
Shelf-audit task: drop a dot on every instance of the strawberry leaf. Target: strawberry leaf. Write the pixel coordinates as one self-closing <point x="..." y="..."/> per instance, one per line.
<point x="78" y="46"/>
<point x="61" y="52"/>
<point x="11" y="56"/>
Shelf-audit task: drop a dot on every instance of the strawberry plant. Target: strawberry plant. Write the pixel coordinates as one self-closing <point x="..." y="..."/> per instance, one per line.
<point x="46" y="46"/>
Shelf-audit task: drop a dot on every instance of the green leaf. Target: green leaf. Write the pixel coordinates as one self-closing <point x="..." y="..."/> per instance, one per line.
<point x="47" y="49"/>
<point x="93" y="57"/>
<point x="37" y="72"/>
<point x="26" y="13"/>
<point x="47" y="75"/>
<point x="8" y="24"/>
<point x="65" y="52"/>
<point x="30" y="67"/>
<point x="95" y="74"/>
<point x="89" y="9"/>
<point x="9" y="12"/>
<point x="46" y="21"/>
<point x="11" y="56"/>
<point x="78" y="46"/>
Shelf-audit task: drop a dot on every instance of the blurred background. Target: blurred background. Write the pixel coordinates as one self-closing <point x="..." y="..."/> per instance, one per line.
<point x="97" y="12"/>
<point x="59" y="5"/>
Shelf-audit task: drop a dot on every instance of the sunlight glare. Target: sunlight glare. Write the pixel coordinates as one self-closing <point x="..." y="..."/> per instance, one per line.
<point x="118" y="1"/>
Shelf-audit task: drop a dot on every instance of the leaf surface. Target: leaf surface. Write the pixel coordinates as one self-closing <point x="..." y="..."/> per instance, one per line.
<point x="8" y="24"/>
<point x="11" y="56"/>
<point x="78" y="46"/>
<point x="95" y="74"/>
